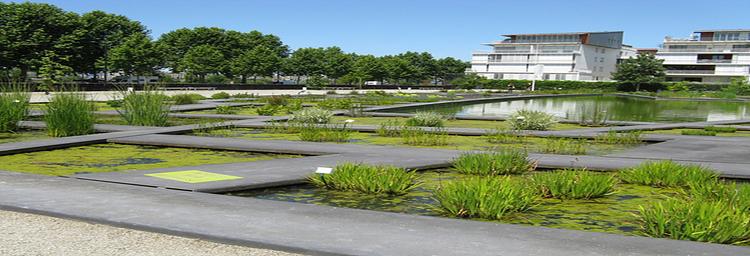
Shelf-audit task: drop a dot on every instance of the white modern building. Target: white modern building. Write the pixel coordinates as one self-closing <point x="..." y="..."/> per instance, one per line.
<point x="709" y="56"/>
<point x="583" y="56"/>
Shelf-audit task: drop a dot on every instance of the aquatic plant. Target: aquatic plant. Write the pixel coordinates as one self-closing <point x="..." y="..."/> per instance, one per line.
<point x="372" y="179"/>
<point x="720" y="129"/>
<point x="336" y="103"/>
<point x="426" y="119"/>
<point x="14" y="106"/>
<point x="504" y="136"/>
<point x="146" y="108"/>
<point x="283" y="128"/>
<point x="312" y="116"/>
<point x="704" y="221"/>
<point x="415" y="136"/>
<point x="267" y="110"/>
<point x="225" y="110"/>
<point x="184" y="99"/>
<point x="495" y="163"/>
<point x="390" y="128"/>
<point x="564" y="146"/>
<point x="220" y="95"/>
<point x="594" y="114"/>
<point x="69" y="114"/>
<point x="484" y="197"/>
<point x="531" y="120"/>
<point x="667" y="173"/>
<point x="277" y="100"/>
<point x="730" y="193"/>
<point x="293" y="105"/>
<point x="698" y="132"/>
<point x="329" y="133"/>
<point x="573" y="184"/>
<point x="624" y="138"/>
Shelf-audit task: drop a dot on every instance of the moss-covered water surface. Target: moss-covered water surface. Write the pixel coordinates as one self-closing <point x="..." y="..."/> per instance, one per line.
<point x="612" y="214"/>
<point x="119" y="157"/>
<point x="531" y="144"/>
<point x="23" y="135"/>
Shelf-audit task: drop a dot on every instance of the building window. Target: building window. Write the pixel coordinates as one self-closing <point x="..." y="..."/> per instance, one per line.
<point x="603" y="50"/>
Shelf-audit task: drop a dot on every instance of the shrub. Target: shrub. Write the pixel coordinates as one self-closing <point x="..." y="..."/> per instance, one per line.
<point x="390" y="128"/>
<point x="367" y="179"/>
<point x="703" y="221"/>
<point x="293" y="105"/>
<point x="504" y="136"/>
<point x="426" y="119"/>
<point x="226" y="110"/>
<point x="335" y="103"/>
<point x="312" y="116"/>
<point x="495" y="163"/>
<point x="69" y="114"/>
<point x="694" y="132"/>
<point x="267" y="110"/>
<point x="613" y="137"/>
<point x="277" y="100"/>
<point x="184" y="99"/>
<point x="14" y="107"/>
<point x="483" y="197"/>
<point x="564" y="146"/>
<point x="720" y="129"/>
<point x="220" y="95"/>
<point x="324" y="134"/>
<point x="147" y="108"/>
<point x="531" y="120"/>
<point x="573" y="184"/>
<point x="667" y="173"/>
<point x="418" y="137"/>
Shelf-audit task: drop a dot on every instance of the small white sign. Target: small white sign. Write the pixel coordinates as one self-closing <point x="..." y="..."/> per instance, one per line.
<point x="324" y="170"/>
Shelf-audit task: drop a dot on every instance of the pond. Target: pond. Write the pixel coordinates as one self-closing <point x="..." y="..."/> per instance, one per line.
<point x="615" y="108"/>
<point x="612" y="214"/>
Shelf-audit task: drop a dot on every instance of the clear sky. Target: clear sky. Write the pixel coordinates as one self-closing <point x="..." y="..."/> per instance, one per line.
<point x="443" y="28"/>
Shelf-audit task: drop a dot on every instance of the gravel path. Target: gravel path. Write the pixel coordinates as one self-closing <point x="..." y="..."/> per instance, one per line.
<point x="30" y="234"/>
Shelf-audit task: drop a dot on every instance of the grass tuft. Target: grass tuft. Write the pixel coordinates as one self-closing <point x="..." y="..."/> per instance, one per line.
<point x="573" y="184"/>
<point x="624" y="138"/>
<point x="531" y="120"/>
<point x="189" y="98"/>
<point x="720" y="129"/>
<point x="484" y="197"/>
<point x="667" y="174"/>
<point x="495" y="163"/>
<point x="426" y="119"/>
<point x="415" y="136"/>
<point x="312" y="116"/>
<point x="145" y="108"/>
<point x="329" y="133"/>
<point x="698" y="132"/>
<point x="14" y="107"/>
<point x="504" y="136"/>
<point x="367" y="179"/>
<point x="564" y="146"/>
<point x="69" y="114"/>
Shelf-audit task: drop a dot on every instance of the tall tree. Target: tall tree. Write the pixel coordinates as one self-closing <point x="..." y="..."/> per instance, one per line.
<point x="259" y="61"/>
<point x="398" y="69"/>
<point x="103" y="32"/>
<point x="448" y="69"/>
<point x="337" y="63"/>
<point x="136" y="55"/>
<point x="306" y="62"/>
<point x="644" y="68"/>
<point x="366" y="68"/>
<point x="202" y="60"/>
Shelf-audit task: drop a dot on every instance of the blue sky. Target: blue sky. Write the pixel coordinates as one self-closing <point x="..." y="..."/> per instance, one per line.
<point x="444" y="28"/>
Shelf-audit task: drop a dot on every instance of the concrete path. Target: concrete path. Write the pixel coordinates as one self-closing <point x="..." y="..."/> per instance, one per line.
<point x="314" y="229"/>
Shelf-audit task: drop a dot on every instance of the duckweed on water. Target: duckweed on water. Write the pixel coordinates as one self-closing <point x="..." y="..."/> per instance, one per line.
<point x="119" y="157"/>
<point x="23" y="135"/>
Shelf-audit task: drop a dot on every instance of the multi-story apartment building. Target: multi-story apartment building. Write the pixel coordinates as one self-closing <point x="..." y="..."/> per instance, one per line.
<point x="584" y="56"/>
<point x="711" y="56"/>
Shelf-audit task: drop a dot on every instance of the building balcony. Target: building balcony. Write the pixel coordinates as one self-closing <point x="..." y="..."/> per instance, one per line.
<point x="689" y="72"/>
<point x="714" y="61"/>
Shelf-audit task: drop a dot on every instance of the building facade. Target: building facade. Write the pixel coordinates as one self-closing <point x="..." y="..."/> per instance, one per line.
<point x="709" y="56"/>
<point x="580" y="56"/>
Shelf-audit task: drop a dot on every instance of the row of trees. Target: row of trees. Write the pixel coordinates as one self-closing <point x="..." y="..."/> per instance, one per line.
<point x="56" y="43"/>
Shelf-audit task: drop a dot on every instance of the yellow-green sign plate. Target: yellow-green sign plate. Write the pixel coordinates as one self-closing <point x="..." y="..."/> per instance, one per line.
<point x="193" y="176"/>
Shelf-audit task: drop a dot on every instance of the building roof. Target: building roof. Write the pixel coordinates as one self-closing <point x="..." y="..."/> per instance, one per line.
<point x="561" y="33"/>
<point x="722" y="30"/>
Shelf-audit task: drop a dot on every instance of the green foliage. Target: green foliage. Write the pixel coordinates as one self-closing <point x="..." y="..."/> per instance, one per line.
<point x="367" y="179"/>
<point x="137" y="55"/>
<point x="495" y="163"/>
<point x="14" y="106"/>
<point x="504" y="136"/>
<point x="730" y="193"/>
<point x="678" y="87"/>
<point x="720" y="129"/>
<point x="573" y="184"/>
<point x="184" y="99"/>
<point x="738" y="86"/>
<point x="220" y="95"/>
<point x="114" y="103"/>
<point x="268" y="109"/>
<point x="312" y="116"/>
<point x="704" y="221"/>
<point x="426" y="119"/>
<point x="644" y="68"/>
<point x="277" y="100"/>
<point x="417" y="137"/>
<point x="594" y="114"/>
<point x="336" y="103"/>
<point x="329" y="133"/>
<point x="485" y="197"/>
<point x="293" y="105"/>
<point x="69" y="114"/>
<point x="698" y="132"/>
<point x="145" y="108"/>
<point x="258" y="61"/>
<point x="202" y="60"/>
<point x="624" y="138"/>
<point x="531" y="120"/>
<point x="667" y="173"/>
<point x="225" y="110"/>
<point x="317" y="81"/>
<point x="564" y="146"/>
<point x="390" y="128"/>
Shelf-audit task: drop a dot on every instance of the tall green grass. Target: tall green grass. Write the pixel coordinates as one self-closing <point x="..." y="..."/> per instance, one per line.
<point x="145" y="108"/>
<point x="390" y="128"/>
<point x="732" y="194"/>
<point x="312" y="116"/>
<point x="531" y="120"/>
<point x="189" y="98"/>
<point x="720" y="129"/>
<point x="667" y="174"/>
<point x="328" y="133"/>
<point x="415" y="136"/>
<point x="69" y="114"/>
<point x="484" y="197"/>
<point x="704" y="221"/>
<point x="504" y="136"/>
<point x="698" y="132"/>
<point x="14" y="106"/>
<point x="426" y="119"/>
<point x="574" y="184"/>
<point x="564" y="146"/>
<point x="367" y="179"/>
<point x="613" y="137"/>
<point x="495" y="163"/>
